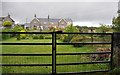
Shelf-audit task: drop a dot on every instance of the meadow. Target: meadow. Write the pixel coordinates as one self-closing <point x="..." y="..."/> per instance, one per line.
<point x="44" y="49"/>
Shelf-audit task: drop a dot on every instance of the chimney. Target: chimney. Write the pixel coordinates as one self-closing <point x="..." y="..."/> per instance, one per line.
<point x="35" y="15"/>
<point x="8" y="15"/>
<point x="48" y="17"/>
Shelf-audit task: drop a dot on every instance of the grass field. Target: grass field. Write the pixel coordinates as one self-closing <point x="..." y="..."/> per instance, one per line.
<point x="7" y="49"/>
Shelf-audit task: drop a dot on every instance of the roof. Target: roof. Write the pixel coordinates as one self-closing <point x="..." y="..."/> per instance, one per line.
<point x="2" y="18"/>
<point x="12" y="19"/>
<point x="68" y="20"/>
<point x="46" y="20"/>
<point x="52" y="20"/>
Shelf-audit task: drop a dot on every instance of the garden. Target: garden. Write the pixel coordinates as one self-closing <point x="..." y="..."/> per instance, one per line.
<point x="47" y="49"/>
<point x="43" y="49"/>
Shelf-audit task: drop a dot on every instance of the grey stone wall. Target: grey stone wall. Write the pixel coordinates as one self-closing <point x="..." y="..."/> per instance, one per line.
<point x="116" y="50"/>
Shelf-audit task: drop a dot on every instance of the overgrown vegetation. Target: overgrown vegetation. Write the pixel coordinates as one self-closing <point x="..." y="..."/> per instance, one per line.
<point x="116" y="23"/>
<point x="60" y="49"/>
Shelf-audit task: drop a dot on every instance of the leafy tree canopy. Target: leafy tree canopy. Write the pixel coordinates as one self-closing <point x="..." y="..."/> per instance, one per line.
<point x="104" y="28"/>
<point x="71" y="28"/>
<point x="17" y="28"/>
<point x="116" y="23"/>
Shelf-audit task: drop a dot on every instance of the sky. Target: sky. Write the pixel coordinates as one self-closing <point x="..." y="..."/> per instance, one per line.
<point x="83" y="13"/>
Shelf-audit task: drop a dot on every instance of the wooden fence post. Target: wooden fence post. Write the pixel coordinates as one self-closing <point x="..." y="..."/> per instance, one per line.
<point x="116" y="49"/>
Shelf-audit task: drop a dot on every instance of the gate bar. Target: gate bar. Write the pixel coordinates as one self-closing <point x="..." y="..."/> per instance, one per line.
<point x="53" y="53"/>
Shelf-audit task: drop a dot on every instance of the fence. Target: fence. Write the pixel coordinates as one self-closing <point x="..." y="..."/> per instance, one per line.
<point x="54" y="54"/>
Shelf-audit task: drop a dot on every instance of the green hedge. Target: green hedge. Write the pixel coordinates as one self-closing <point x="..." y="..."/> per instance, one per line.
<point x="38" y="36"/>
<point x="6" y="36"/>
<point x="48" y="37"/>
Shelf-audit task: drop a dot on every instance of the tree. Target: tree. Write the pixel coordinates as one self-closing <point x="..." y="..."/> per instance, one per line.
<point x="17" y="28"/>
<point x="116" y="23"/>
<point x="104" y="28"/>
<point x="70" y="28"/>
<point x="7" y="24"/>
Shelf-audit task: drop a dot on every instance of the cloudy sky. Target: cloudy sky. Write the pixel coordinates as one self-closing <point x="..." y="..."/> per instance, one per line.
<point x="90" y="13"/>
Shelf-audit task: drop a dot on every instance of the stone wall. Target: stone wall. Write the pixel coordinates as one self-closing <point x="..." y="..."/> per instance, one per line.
<point x="116" y="50"/>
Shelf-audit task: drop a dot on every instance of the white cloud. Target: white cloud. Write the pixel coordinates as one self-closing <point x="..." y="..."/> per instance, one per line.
<point x="89" y="24"/>
<point x="82" y="13"/>
<point x="60" y="0"/>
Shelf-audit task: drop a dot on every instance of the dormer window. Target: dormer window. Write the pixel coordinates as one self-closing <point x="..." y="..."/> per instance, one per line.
<point x="34" y="21"/>
<point x="62" y="22"/>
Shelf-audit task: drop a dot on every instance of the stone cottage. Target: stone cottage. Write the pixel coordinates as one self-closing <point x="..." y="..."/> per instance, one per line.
<point x="46" y="23"/>
<point x="7" y="18"/>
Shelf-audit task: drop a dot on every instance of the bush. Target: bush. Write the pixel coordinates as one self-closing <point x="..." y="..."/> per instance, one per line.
<point x="6" y="36"/>
<point x="101" y="57"/>
<point x="48" y="37"/>
<point x="23" y="36"/>
<point x="41" y="36"/>
<point x="17" y="28"/>
<point x="36" y="36"/>
<point x="116" y="70"/>
<point x="77" y="38"/>
<point x="60" y="37"/>
<point x="65" y="39"/>
<point x="7" y="24"/>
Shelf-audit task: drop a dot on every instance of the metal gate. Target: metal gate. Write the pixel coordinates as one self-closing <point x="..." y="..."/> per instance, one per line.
<point x="55" y="55"/>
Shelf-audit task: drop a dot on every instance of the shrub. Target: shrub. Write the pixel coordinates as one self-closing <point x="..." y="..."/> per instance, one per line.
<point x="77" y="38"/>
<point x="65" y="38"/>
<point x="6" y="36"/>
<point x="116" y="71"/>
<point x="23" y="36"/>
<point x="48" y="37"/>
<point x="36" y="36"/>
<point x="101" y="57"/>
<point x="7" y="24"/>
<point x="69" y="28"/>
<point x="60" y="36"/>
<point x="17" y="28"/>
<point x="41" y="36"/>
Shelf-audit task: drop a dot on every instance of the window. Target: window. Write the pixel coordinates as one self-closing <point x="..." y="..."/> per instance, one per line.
<point x="62" y="22"/>
<point x="35" y="27"/>
<point x="35" y="22"/>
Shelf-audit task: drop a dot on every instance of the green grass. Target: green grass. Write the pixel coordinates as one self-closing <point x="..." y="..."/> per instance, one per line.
<point x="46" y="59"/>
